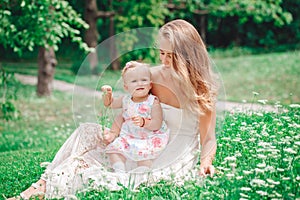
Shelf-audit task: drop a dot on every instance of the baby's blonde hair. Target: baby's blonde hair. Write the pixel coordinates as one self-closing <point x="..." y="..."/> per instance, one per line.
<point x="134" y="64"/>
<point x="192" y="65"/>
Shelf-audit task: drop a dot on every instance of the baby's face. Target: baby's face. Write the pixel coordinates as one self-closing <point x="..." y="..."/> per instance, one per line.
<point x="137" y="81"/>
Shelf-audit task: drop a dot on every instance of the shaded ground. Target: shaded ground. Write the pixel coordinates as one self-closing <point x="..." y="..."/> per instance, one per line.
<point x="68" y="87"/>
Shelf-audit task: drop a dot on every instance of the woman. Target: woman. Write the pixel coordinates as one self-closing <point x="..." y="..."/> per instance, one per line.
<point x="186" y="88"/>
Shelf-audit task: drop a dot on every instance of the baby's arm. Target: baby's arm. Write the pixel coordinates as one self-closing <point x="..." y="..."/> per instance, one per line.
<point x="113" y="103"/>
<point x="156" y="118"/>
<point x="115" y="129"/>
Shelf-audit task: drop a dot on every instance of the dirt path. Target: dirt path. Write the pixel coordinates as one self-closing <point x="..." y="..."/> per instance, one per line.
<point x="68" y="87"/>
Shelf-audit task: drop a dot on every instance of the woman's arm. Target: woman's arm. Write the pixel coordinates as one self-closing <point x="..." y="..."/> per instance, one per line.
<point x="207" y="124"/>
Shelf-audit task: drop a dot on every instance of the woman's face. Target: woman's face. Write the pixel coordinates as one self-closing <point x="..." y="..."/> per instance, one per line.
<point x="165" y="52"/>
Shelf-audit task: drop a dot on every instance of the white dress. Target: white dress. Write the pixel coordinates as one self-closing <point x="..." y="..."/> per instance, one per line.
<point x="81" y="163"/>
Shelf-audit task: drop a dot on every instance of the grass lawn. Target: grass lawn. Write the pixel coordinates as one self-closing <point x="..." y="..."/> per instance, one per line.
<point x="258" y="152"/>
<point x="274" y="76"/>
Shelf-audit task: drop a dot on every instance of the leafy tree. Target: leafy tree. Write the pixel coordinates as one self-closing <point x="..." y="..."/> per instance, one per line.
<point x="27" y="24"/>
<point x="238" y="21"/>
<point x="135" y="14"/>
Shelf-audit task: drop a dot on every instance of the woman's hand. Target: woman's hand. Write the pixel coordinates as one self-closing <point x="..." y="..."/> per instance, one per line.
<point x="206" y="169"/>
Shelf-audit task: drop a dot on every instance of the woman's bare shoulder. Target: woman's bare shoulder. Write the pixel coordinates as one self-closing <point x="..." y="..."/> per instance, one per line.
<point x="155" y="69"/>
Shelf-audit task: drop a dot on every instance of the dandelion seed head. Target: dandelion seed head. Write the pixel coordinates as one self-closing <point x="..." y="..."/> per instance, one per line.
<point x="236" y="139"/>
<point x="257" y="170"/>
<point x="246" y="172"/>
<point x="290" y="150"/>
<point x="259" y="114"/>
<point x="272" y="181"/>
<point x="232" y="165"/>
<point x="230" y="158"/>
<point x="244" y="195"/>
<point x="238" y="154"/>
<point x="229" y="175"/>
<point x="270" y="169"/>
<point x="295" y="105"/>
<point x="262" y="101"/>
<point x="258" y="182"/>
<point x="262" y="193"/>
<point x="277" y="194"/>
<point x="261" y="156"/>
<point x="245" y="189"/>
<point x="286" y="178"/>
<point x="261" y="165"/>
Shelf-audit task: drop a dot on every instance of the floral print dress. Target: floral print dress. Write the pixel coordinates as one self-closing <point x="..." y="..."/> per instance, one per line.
<point x="138" y="143"/>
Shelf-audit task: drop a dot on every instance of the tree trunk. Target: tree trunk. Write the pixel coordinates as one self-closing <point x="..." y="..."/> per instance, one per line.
<point x="46" y="64"/>
<point x="91" y="15"/>
<point x="91" y="34"/>
<point x="113" y="50"/>
<point x="203" y="26"/>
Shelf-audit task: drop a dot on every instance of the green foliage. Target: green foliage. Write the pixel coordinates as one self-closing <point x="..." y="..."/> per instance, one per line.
<point x="243" y="23"/>
<point x="8" y="110"/>
<point x="137" y="14"/>
<point x="28" y="24"/>
<point x="81" y="68"/>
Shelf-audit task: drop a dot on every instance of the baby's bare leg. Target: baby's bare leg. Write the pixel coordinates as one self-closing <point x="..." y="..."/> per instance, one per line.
<point x="117" y="162"/>
<point x="116" y="126"/>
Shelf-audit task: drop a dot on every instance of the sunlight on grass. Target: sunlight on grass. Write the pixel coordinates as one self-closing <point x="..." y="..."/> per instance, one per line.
<point x="274" y="76"/>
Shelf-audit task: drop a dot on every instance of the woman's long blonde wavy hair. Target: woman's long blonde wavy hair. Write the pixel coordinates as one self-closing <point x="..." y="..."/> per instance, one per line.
<point x="191" y="64"/>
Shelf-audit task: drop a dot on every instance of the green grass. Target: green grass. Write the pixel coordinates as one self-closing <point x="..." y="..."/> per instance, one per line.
<point x="257" y="157"/>
<point x="274" y="76"/>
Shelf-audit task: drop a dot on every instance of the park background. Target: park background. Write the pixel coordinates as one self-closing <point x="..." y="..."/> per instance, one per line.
<point x="255" y="47"/>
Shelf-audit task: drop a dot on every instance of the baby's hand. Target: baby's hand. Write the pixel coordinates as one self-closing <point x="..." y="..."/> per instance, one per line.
<point x="108" y="136"/>
<point x="107" y="94"/>
<point x="106" y="89"/>
<point x="138" y="120"/>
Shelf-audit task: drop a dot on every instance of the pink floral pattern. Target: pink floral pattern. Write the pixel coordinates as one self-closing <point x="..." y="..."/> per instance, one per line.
<point x="138" y="143"/>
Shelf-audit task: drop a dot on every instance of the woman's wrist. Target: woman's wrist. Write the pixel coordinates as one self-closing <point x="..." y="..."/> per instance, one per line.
<point x="207" y="160"/>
